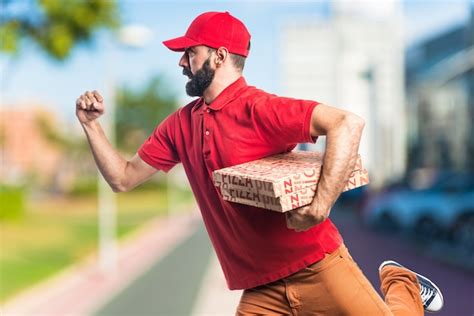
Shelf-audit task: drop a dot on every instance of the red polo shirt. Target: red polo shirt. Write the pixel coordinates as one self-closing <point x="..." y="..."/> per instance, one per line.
<point x="243" y="123"/>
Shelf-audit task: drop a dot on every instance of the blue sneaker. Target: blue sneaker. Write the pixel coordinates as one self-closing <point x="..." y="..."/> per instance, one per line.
<point x="430" y="294"/>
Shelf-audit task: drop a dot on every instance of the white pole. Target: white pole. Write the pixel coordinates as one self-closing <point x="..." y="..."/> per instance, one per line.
<point x="106" y="199"/>
<point x="107" y="228"/>
<point x="132" y="36"/>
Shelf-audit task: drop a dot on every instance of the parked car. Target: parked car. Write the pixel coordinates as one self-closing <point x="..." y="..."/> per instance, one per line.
<point x="440" y="206"/>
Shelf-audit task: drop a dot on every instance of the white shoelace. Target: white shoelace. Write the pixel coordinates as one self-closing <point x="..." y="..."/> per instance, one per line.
<point x="426" y="293"/>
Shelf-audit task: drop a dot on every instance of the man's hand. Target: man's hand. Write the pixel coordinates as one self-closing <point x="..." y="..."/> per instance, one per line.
<point x="89" y="106"/>
<point x="305" y="217"/>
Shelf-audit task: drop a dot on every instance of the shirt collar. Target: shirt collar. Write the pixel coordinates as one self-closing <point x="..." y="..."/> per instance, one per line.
<point x="227" y="95"/>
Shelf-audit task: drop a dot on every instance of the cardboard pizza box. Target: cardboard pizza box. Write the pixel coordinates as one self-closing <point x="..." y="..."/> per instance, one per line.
<point x="291" y="200"/>
<point x="275" y="175"/>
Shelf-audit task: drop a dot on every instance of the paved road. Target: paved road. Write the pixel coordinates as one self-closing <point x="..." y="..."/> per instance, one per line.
<point x="369" y="249"/>
<point x="161" y="292"/>
<point x="170" y="287"/>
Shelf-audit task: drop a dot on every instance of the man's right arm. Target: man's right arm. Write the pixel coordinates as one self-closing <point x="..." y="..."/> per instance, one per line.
<point x="120" y="174"/>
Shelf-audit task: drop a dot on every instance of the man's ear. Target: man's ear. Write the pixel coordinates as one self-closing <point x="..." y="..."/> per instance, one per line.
<point x="221" y="56"/>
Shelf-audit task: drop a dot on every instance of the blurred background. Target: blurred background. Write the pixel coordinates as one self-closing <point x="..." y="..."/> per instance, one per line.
<point x="69" y="245"/>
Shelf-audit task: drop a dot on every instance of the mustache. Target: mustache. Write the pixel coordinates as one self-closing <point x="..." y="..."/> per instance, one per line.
<point x="187" y="72"/>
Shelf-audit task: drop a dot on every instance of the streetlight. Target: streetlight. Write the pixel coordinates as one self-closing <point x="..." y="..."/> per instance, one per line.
<point x="132" y="36"/>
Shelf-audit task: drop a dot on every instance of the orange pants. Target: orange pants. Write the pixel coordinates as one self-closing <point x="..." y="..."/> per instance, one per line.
<point x="335" y="286"/>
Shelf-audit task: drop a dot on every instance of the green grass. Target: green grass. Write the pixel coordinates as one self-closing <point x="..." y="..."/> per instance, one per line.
<point x="54" y="234"/>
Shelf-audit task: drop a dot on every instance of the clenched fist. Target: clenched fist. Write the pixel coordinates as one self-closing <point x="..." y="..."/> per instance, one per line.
<point x="89" y="106"/>
<point x="305" y="217"/>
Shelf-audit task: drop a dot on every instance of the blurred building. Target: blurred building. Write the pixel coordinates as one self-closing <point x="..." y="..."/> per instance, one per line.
<point x="25" y="152"/>
<point x="440" y="91"/>
<point x="354" y="60"/>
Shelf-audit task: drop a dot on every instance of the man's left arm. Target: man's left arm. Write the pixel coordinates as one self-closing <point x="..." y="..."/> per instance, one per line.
<point x="343" y="131"/>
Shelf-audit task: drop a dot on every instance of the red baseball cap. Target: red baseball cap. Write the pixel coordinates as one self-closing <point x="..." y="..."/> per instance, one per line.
<point x="214" y="29"/>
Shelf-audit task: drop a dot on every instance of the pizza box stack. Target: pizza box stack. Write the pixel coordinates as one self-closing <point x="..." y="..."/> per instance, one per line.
<point x="281" y="182"/>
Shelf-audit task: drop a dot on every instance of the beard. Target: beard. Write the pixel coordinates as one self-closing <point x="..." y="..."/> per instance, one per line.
<point x="200" y="81"/>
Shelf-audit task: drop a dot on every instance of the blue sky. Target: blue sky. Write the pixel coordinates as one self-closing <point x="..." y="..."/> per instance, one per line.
<point x="34" y="78"/>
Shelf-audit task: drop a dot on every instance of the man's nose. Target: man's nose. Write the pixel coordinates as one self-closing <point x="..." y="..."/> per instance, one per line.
<point x="183" y="62"/>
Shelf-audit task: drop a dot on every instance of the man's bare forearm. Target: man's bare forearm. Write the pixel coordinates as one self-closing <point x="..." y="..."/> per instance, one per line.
<point x="342" y="147"/>
<point x="111" y="165"/>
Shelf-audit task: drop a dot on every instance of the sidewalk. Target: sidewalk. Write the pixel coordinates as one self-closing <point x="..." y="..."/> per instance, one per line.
<point x="82" y="288"/>
<point x="215" y="298"/>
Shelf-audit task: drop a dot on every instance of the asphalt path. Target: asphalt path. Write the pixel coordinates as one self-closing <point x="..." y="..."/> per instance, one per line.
<point x="172" y="285"/>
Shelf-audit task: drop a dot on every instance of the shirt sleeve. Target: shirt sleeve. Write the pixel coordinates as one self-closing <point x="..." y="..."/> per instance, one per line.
<point x="284" y="120"/>
<point x="159" y="150"/>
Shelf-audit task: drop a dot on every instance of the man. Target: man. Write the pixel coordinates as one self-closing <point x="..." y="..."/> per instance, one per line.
<point x="293" y="263"/>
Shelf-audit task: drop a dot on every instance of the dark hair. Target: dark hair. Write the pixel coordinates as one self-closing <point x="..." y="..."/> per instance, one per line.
<point x="237" y="60"/>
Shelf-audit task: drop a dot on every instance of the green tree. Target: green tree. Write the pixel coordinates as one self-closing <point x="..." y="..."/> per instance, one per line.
<point x="55" y="25"/>
<point x="140" y="110"/>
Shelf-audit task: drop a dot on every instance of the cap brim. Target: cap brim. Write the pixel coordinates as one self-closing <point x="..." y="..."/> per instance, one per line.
<point x="179" y="44"/>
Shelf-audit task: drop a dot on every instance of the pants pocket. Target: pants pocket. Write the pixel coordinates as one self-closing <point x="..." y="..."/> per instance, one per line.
<point x="328" y="261"/>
